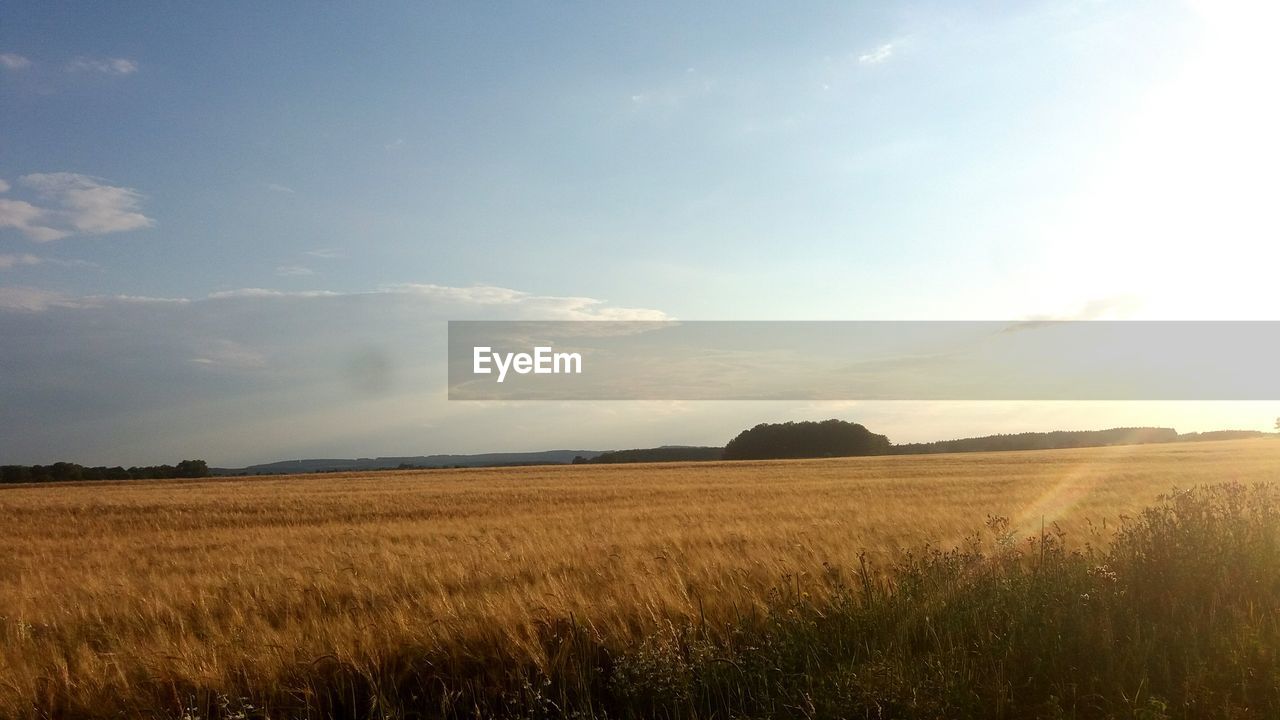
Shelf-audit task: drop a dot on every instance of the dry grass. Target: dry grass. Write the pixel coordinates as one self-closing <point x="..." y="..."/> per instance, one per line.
<point x="114" y="594"/>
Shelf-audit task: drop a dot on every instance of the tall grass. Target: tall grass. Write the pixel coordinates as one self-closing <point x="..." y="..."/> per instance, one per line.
<point x="677" y="591"/>
<point x="1179" y="617"/>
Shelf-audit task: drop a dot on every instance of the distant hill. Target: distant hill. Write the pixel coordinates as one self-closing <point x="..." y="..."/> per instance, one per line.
<point x="285" y="467"/>
<point x="1043" y="441"/>
<point x="666" y="453"/>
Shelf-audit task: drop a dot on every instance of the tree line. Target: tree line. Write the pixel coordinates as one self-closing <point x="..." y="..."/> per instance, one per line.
<point x="1054" y="440"/>
<point x="806" y="439"/>
<point x="838" y="438"/>
<point x="679" y="453"/>
<point x="70" y="472"/>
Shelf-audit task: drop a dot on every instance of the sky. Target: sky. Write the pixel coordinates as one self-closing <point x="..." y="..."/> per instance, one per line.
<point x="235" y="231"/>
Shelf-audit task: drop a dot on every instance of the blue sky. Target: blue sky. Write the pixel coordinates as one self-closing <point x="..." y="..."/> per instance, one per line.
<point x="266" y="171"/>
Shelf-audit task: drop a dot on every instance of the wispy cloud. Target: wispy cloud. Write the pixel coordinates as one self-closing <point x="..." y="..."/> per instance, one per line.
<point x="269" y="293"/>
<point x="29" y="299"/>
<point x="294" y="271"/>
<point x="674" y="93"/>
<point x="878" y="54"/>
<point x="72" y="204"/>
<point x="12" y="261"/>
<point x="26" y="299"/>
<point x="227" y="354"/>
<point x="542" y="306"/>
<point x="277" y="187"/>
<point x="98" y="300"/>
<point x="453" y="301"/>
<point x="1115" y="307"/>
<point x="326" y="253"/>
<point x="13" y="61"/>
<point x="105" y="66"/>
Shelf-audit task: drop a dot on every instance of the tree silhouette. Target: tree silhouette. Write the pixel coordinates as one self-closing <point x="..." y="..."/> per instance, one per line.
<point x="829" y="438"/>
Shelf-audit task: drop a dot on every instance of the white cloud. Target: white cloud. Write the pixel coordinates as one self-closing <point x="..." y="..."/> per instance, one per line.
<point x="28" y="219"/>
<point x="92" y="207"/>
<point x="294" y="271"/>
<point x="276" y="187"/>
<point x="13" y="61"/>
<point x="878" y="54"/>
<point x="105" y="66"/>
<point x="4" y="186"/>
<point x="73" y="204"/>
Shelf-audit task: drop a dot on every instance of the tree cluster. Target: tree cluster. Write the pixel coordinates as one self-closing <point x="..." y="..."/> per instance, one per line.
<point x="807" y="439"/>
<point x="69" y="472"/>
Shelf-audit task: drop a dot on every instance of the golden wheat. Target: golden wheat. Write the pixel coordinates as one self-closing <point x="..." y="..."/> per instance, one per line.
<point x="235" y="584"/>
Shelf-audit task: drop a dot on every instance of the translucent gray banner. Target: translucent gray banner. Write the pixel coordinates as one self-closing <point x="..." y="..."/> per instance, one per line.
<point x="864" y="360"/>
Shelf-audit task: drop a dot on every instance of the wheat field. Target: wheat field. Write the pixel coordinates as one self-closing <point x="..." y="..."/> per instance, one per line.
<point x="125" y="597"/>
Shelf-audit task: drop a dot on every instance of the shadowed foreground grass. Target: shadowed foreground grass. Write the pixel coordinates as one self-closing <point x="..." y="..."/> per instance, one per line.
<point x="1178" y="617"/>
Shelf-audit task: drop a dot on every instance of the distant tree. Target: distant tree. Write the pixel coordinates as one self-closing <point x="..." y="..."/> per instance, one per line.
<point x="829" y="438"/>
<point x="1278" y="424"/>
<point x="63" y="471"/>
<point x="191" y="469"/>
